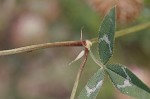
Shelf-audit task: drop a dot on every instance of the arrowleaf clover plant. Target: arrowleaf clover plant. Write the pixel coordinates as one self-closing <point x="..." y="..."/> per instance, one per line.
<point x="121" y="77"/>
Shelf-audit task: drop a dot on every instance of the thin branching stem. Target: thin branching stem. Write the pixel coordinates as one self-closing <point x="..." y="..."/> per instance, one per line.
<point x="70" y="43"/>
<point x="79" y="74"/>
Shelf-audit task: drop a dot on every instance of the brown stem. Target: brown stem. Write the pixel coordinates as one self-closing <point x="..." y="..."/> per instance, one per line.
<point x="79" y="74"/>
<point x="40" y="46"/>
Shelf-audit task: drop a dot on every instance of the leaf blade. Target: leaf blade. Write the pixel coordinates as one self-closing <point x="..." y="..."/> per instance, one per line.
<point x="125" y="81"/>
<point x="106" y="36"/>
<point x="93" y="86"/>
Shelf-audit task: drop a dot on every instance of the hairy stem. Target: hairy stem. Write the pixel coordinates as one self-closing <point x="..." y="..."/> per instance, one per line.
<point x="73" y="93"/>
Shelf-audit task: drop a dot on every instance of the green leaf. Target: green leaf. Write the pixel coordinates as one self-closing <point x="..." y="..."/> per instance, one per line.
<point x="106" y="36"/>
<point x="125" y="81"/>
<point x="93" y="86"/>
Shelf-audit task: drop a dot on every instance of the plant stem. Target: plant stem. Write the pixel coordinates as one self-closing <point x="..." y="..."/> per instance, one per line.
<point x="73" y="93"/>
<point x="130" y="30"/>
<point x="40" y="46"/>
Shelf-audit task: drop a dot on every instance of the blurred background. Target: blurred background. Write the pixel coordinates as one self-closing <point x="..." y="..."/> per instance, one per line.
<point x="45" y="74"/>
